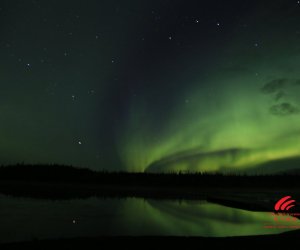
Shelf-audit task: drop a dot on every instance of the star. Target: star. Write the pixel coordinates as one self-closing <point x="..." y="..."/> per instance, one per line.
<point x="170" y="38"/>
<point x="74" y="221"/>
<point x="218" y="24"/>
<point x="196" y="21"/>
<point x="79" y="142"/>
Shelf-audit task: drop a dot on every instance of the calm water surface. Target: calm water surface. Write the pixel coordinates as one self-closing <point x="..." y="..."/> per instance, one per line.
<point x="27" y="219"/>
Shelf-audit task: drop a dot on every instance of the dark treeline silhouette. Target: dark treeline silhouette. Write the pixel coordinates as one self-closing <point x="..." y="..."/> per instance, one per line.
<point x="69" y="174"/>
<point x="66" y="182"/>
<point x="268" y="240"/>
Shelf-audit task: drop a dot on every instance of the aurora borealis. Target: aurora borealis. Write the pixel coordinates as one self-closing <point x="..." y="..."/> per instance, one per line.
<point x="150" y="85"/>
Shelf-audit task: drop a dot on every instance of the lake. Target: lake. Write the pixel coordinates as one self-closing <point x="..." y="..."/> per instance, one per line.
<point x="28" y="219"/>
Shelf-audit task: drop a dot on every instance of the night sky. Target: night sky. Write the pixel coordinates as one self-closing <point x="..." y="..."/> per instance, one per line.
<point x="149" y="85"/>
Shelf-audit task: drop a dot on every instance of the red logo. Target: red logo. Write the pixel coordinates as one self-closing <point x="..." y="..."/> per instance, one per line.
<point x="284" y="204"/>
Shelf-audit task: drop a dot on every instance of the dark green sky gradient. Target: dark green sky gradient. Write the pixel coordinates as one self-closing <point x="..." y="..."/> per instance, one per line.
<point x="132" y="84"/>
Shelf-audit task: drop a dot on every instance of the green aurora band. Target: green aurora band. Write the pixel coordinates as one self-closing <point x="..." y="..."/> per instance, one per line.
<point x="242" y="112"/>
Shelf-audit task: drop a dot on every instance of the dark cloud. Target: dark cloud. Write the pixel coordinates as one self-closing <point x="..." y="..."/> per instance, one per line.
<point x="284" y="109"/>
<point x="297" y="82"/>
<point x="277" y="85"/>
<point x="274" y="86"/>
<point x="277" y="88"/>
<point x="279" y="95"/>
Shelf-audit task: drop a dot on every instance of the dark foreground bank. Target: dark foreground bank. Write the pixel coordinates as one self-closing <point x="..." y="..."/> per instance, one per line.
<point x="243" y="242"/>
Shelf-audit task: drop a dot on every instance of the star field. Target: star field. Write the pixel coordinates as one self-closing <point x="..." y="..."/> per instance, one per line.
<point x="135" y="85"/>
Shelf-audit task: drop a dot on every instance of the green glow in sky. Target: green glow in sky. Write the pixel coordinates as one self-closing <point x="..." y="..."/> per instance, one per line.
<point x="241" y="112"/>
<point x="149" y="85"/>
